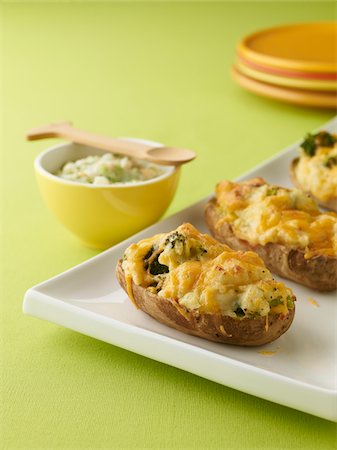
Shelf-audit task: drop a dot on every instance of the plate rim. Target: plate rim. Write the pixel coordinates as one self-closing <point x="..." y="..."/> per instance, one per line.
<point x="158" y="336"/>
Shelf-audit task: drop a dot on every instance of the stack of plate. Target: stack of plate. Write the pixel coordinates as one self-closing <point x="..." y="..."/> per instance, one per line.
<point x="293" y="63"/>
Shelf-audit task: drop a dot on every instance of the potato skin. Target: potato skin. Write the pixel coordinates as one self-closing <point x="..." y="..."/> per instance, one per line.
<point x="319" y="272"/>
<point x="329" y="204"/>
<point x="214" y="327"/>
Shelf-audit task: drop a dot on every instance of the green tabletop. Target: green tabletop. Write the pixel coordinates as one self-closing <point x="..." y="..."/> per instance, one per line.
<point x="153" y="70"/>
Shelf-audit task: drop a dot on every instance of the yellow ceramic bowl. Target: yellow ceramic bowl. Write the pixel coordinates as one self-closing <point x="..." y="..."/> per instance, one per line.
<point x="101" y="216"/>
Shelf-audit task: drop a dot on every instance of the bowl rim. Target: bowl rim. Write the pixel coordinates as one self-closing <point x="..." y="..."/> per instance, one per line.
<point x="168" y="170"/>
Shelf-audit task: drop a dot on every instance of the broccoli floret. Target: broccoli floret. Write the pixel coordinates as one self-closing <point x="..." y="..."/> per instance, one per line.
<point x="174" y="238"/>
<point x="309" y="144"/>
<point x="239" y="312"/>
<point x="276" y="301"/>
<point x="272" y="191"/>
<point x="290" y="302"/>
<point x="155" y="268"/>
<point x="325" y="139"/>
<point x="321" y="139"/>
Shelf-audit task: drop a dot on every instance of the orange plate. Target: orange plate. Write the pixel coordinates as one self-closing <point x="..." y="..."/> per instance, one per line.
<point x="299" y="83"/>
<point x="295" y="96"/>
<point x="332" y="76"/>
<point x="306" y="47"/>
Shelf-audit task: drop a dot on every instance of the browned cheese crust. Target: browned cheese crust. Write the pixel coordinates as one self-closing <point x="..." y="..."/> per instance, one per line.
<point x="214" y="327"/>
<point x="329" y="204"/>
<point x="319" y="272"/>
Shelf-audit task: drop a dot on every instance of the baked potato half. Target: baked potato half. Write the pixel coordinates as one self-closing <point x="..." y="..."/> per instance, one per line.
<point x="283" y="226"/>
<point x="190" y="282"/>
<point x="315" y="170"/>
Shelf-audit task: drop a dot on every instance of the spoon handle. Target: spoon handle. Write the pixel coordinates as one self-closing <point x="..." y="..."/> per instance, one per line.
<point x="67" y="131"/>
<point x="161" y="155"/>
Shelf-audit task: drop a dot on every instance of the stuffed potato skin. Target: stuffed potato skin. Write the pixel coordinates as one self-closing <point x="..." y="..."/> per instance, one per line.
<point x="319" y="272"/>
<point x="193" y="283"/>
<point x="214" y="327"/>
<point x="315" y="170"/>
<point x="330" y="204"/>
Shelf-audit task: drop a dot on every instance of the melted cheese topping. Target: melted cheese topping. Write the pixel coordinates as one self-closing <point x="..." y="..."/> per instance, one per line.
<point x="315" y="174"/>
<point x="260" y="213"/>
<point x="201" y="274"/>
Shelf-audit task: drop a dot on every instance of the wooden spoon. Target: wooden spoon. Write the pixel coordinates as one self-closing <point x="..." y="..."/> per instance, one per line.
<point x="167" y="156"/>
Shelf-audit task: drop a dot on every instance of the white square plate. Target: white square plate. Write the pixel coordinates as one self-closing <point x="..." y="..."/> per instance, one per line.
<point x="298" y="370"/>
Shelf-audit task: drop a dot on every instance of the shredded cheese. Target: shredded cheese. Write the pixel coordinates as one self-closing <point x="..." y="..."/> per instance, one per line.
<point x="268" y="352"/>
<point x="313" y="302"/>
<point x="260" y="214"/>
<point x="200" y="274"/>
<point x="267" y="324"/>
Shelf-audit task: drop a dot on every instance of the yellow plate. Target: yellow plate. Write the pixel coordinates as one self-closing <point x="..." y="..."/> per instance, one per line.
<point x="307" y="46"/>
<point x="319" y="85"/>
<point x="295" y="96"/>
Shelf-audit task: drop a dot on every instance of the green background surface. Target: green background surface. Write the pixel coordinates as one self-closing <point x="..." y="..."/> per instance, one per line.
<point x="153" y="70"/>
